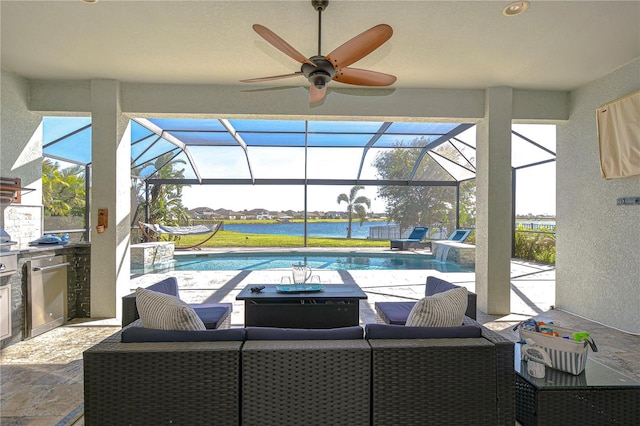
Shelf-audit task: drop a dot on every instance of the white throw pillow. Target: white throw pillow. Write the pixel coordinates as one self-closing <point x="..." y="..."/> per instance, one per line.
<point x="166" y="312"/>
<point x="444" y="309"/>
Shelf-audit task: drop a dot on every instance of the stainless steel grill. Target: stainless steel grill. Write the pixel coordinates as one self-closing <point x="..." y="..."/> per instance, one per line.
<point x="8" y="263"/>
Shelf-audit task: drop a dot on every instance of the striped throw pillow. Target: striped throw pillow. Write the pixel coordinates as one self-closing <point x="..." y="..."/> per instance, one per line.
<point x="166" y="312"/>
<point x="444" y="309"/>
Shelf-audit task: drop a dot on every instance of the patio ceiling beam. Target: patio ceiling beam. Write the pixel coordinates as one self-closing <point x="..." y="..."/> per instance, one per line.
<point x="171" y="139"/>
<point x="442" y="139"/>
<point x="234" y="133"/>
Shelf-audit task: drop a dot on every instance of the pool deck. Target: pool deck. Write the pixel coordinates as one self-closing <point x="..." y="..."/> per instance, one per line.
<point x="528" y="296"/>
<point x="42" y="377"/>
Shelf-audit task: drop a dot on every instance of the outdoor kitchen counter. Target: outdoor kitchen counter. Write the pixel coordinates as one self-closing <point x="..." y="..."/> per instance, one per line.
<point x="46" y="247"/>
<point x="78" y="283"/>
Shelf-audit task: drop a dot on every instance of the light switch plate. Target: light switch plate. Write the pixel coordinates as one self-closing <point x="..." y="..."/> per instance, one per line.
<point x="628" y="201"/>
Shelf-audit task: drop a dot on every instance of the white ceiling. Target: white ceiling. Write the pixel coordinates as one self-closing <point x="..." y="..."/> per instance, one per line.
<point x="555" y="45"/>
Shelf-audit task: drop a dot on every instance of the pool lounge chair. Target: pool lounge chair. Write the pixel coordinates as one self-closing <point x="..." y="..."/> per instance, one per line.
<point x="459" y="235"/>
<point x="158" y="230"/>
<point x="414" y="240"/>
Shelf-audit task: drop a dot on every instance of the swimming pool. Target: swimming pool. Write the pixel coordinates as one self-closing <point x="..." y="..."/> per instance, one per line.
<point x="315" y="260"/>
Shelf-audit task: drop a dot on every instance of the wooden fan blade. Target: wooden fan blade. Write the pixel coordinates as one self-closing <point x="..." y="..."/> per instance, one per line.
<point x="360" y="46"/>
<point x="315" y="94"/>
<point x="363" y="77"/>
<point x="280" y="44"/>
<point x="275" y="77"/>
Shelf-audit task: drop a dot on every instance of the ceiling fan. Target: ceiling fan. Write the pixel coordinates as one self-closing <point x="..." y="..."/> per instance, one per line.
<point x="320" y="70"/>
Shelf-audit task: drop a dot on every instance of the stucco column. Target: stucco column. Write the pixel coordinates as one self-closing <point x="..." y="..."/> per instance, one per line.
<point x="493" y="203"/>
<point x="111" y="159"/>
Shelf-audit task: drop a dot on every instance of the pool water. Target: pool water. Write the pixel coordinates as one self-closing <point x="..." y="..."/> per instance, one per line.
<point x="329" y="261"/>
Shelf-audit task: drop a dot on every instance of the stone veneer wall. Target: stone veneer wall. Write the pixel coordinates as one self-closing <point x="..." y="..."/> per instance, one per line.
<point x="79" y="283"/>
<point x="22" y="223"/>
<point x="461" y="253"/>
<point x="152" y="253"/>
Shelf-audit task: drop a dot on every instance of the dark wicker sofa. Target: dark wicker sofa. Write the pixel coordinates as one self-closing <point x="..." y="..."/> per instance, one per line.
<point x="295" y="382"/>
<point x="464" y="381"/>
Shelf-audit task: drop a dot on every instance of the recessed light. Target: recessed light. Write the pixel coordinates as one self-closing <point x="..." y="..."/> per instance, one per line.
<point x="90" y="1"/>
<point x="515" y="8"/>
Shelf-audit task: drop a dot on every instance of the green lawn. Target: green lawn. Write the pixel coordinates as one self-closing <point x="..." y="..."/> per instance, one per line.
<point x="239" y="239"/>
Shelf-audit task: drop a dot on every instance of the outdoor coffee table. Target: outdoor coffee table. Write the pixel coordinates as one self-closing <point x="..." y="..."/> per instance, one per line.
<point x="336" y="305"/>
<point x="597" y="396"/>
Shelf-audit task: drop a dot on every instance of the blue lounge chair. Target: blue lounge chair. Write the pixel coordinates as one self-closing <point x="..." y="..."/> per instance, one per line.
<point x="415" y="238"/>
<point x="459" y="235"/>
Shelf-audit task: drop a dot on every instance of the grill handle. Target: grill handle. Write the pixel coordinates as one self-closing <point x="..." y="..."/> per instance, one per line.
<point x="47" y="268"/>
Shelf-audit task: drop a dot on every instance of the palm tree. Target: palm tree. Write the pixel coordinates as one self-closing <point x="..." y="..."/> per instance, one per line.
<point x="63" y="189"/>
<point x="355" y="203"/>
<point x="165" y="200"/>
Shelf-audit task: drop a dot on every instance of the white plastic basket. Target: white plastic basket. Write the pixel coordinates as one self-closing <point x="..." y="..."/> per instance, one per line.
<point x="566" y="354"/>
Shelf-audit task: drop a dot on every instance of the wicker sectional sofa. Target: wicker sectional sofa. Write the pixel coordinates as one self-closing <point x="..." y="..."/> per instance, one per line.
<point x="357" y="381"/>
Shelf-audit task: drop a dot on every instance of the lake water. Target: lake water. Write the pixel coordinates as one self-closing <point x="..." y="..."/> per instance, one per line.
<point x="331" y="229"/>
<point x="314" y="229"/>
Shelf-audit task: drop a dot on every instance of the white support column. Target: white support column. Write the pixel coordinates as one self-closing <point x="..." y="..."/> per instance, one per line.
<point x="493" y="203"/>
<point x="111" y="159"/>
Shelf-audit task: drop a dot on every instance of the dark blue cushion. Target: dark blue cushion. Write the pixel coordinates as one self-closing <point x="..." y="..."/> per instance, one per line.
<point x="390" y="331"/>
<point x="274" y="333"/>
<point x="394" y="312"/>
<point x="436" y="285"/>
<point x="212" y="314"/>
<point x="418" y="233"/>
<point x="166" y="286"/>
<point x="142" y="334"/>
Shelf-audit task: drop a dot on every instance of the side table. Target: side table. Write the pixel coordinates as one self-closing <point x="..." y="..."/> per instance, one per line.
<point x="597" y="396"/>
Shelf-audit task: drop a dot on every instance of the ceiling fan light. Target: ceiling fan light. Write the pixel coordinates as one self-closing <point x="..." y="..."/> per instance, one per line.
<point x="515" y="8"/>
<point x="319" y="79"/>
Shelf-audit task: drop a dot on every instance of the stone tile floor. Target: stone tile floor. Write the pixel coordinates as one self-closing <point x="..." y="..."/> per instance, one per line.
<point x="41" y="378"/>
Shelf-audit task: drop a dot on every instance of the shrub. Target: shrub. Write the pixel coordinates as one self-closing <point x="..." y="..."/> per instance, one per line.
<point x="539" y="246"/>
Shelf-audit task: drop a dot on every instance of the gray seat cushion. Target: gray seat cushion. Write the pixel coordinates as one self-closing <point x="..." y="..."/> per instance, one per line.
<point x="212" y="314"/>
<point x="275" y="333"/>
<point x="388" y="331"/>
<point x="394" y="312"/>
<point x="142" y="334"/>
